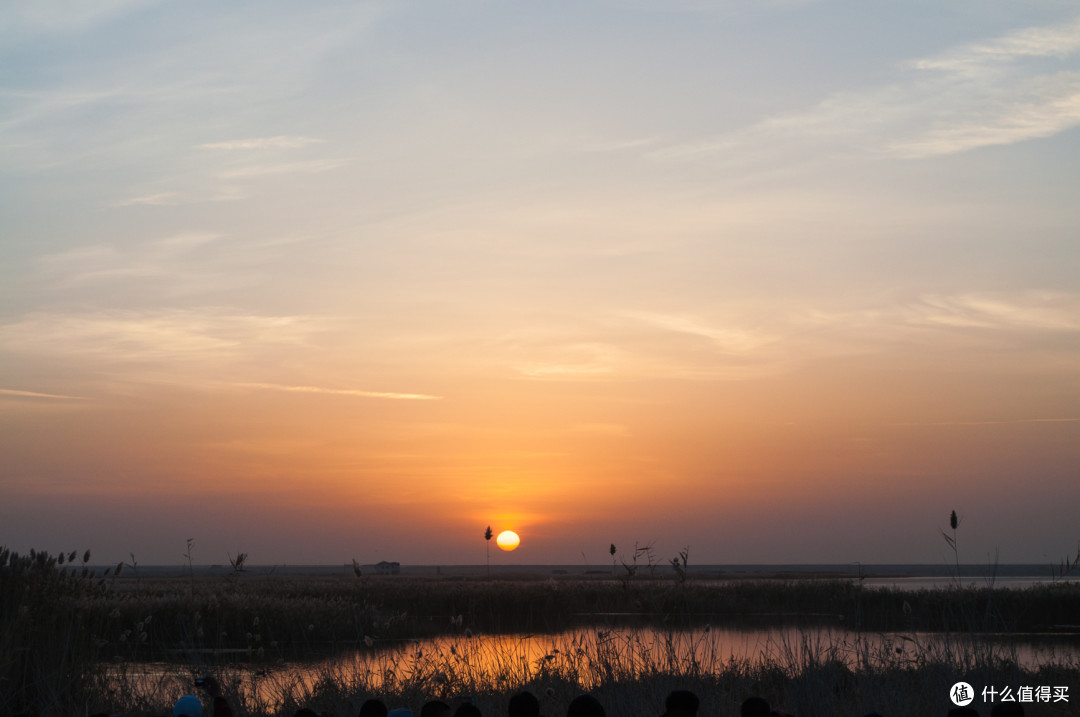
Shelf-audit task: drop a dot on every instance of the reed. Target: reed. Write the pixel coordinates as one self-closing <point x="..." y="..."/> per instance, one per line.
<point x="72" y="638"/>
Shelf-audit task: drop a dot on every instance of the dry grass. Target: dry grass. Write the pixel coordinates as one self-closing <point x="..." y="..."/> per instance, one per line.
<point x="71" y="641"/>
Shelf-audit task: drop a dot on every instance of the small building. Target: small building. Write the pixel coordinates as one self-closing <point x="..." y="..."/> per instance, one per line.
<point x="387" y="568"/>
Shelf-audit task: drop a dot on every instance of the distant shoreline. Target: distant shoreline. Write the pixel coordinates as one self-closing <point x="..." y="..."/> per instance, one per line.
<point x="785" y="571"/>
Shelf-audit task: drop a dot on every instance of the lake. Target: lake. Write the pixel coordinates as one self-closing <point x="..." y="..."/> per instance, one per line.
<point x="504" y="662"/>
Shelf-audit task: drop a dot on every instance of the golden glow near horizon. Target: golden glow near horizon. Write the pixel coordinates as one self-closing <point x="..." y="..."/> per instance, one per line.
<point x="286" y="281"/>
<point x="508" y="540"/>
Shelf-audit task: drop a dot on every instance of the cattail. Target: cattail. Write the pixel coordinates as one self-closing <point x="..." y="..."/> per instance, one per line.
<point x="953" y="522"/>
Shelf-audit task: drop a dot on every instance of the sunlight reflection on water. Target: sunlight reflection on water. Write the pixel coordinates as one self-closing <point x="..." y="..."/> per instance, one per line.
<point x="505" y="662"/>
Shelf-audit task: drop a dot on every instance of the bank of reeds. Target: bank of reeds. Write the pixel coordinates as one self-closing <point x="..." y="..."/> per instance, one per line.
<point x="70" y="639"/>
<point x="629" y="671"/>
<point x="298" y="617"/>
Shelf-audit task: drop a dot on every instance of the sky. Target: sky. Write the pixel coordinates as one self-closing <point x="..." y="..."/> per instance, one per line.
<point x="774" y="282"/>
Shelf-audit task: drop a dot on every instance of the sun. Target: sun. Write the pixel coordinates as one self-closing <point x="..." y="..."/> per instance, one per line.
<point x="508" y="540"/>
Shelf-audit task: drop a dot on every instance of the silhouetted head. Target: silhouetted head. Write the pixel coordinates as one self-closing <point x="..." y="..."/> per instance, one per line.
<point x="187" y="706"/>
<point x="435" y="708"/>
<point x="1007" y="709"/>
<point x="585" y="706"/>
<point x="755" y="707"/>
<point x="373" y="708"/>
<point x="683" y="701"/>
<point x="524" y="704"/>
<point x="467" y="709"/>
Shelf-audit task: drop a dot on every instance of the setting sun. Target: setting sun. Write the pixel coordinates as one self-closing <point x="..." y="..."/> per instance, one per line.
<point x="508" y="540"/>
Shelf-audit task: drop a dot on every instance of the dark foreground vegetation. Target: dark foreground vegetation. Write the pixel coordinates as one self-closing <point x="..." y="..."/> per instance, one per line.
<point x="74" y="640"/>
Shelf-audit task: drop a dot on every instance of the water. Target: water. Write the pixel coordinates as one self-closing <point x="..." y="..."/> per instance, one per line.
<point x="504" y="662"/>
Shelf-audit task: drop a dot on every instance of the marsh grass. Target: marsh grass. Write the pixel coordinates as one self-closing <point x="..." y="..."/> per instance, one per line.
<point x="631" y="671"/>
<point x="73" y="641"/>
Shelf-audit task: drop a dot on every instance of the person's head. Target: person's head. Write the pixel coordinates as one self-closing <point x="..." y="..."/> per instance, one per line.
<point x="755" y="707"/>
<point x="524" y="704"/>
<point x="585" y="706"/>
<point x="373" y="708"/>
<point x="435" y="708"/>
<point x="187" y="706"/>
<point x="683" y="701"/>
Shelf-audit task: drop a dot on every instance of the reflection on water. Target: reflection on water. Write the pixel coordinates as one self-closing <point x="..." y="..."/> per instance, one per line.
<point x="473" y="664"/>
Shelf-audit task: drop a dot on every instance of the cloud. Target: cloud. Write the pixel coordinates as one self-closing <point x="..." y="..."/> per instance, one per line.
<point x="1008" y="422"/>
<point x="204" y="336"/>
<point x="278" y="142"/>
<point x="104" y="263"/>
<point x="601" y="429"/>
<point x="342" y="391"/>
<point x="260" y="170"/>
<point x="729" y="339"/>
<point x="1042" y="311"/>
<point x="753" y="340"/>
<point x="153" y="199"/>
<point x="621" y="145"/>
<point x="975" y="95"/>
<point x="61" y="16"/>
<point x="1053" y="41"/>
<point x="34" y="394"/>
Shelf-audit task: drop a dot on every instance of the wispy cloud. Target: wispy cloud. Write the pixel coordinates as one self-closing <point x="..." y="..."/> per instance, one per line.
<point x="34" y="394"/>
<point x="728" y="338"/>
<point x="61" y="16"/>
<point x="204" y="336"/>
<point x="1004" y="422"/>
<point x="621" y="145"/>
<point x="260" y="170"/>
<point x="107" y="263"/>
<point x="748" y="341"/>
<point x="601" y="429"/>
<point x="152" y="199"/>
<point x="975" y="95"/>
<point x="342" y="391"/>
<point x="278" y="142"/>
<point x="548" y="370"/>
<point x="1053" y="41"/>
<point x="1044" y="311"/>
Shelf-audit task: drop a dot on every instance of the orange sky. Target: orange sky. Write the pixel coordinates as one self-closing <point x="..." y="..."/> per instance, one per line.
<point x="327" y="285"/>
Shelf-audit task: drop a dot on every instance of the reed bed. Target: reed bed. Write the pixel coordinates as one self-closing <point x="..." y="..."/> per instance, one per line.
<point x="74" y="639"/>
<point x="304" y="616"/>
<point x="629" y="671"/>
